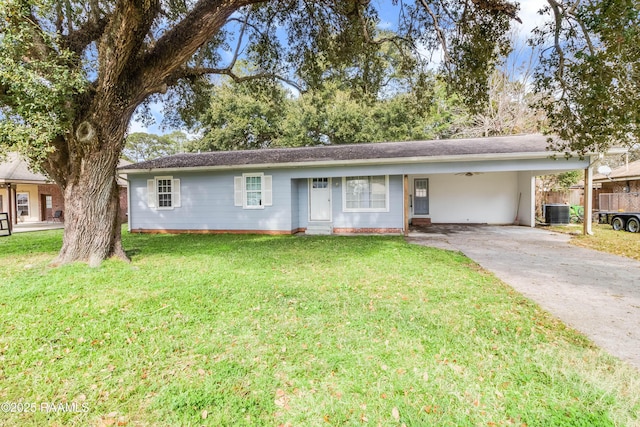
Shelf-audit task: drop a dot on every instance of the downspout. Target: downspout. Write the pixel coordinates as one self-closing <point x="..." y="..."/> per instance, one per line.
<point x="405" y="187"/>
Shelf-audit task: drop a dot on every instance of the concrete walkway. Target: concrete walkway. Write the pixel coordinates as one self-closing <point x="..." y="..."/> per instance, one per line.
<point x="36" y="226"/>
<point x="596" y="293"/>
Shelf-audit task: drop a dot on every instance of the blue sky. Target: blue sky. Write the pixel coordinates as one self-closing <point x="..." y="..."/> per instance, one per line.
<point x="528" y="14"/>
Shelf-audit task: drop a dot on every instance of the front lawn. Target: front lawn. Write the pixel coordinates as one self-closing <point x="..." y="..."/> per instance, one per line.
<point x="300" y="331"/>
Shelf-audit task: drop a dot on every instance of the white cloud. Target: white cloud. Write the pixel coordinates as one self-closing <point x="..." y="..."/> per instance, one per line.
<point x="156" y="110"/>
<point x="386" y="25"/>
<point x="529" y="16"/>
<point x="136" y="126"/>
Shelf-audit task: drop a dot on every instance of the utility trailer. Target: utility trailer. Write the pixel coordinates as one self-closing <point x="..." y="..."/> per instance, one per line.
<point x="629" y="221"/>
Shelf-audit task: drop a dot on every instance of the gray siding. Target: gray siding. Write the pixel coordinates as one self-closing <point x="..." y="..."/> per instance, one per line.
<point x="208" y="196"/>
<point x="295" y="204"/>
<point x="208" y="204"/>
<point x="391" y="219"/>
<point x="303" y="202"/>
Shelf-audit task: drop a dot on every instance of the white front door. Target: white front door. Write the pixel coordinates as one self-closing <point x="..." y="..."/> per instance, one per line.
<point x="320" y="199"/>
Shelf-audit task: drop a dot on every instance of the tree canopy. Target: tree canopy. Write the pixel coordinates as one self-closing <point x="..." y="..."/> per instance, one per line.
<point x="589" y="76"/>
<point x="246" y="116"/>
<point x="141" y="146"/>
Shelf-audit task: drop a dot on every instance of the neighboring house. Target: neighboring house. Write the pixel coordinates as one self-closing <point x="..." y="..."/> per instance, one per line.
<point x="31" y="197"/>
<point x="27" y="196"/>
<point x="619" y="190"/>
<point x="379" y="188"/>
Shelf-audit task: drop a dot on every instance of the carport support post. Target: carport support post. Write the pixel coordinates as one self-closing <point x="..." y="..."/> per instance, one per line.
<point x="588" y="201"/>
<point x="406" y="205"/>
<point x="11" y="203"/>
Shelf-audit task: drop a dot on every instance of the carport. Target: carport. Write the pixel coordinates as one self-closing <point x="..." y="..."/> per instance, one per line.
<point x="485" y="192"/>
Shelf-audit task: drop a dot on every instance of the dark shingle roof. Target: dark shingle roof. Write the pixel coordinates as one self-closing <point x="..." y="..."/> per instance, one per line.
<point x="629" y="171"/>
<point x="348" y="153"/>
<point x="14" y="169"/>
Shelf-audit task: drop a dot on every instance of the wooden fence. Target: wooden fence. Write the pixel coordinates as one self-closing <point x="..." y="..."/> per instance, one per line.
<point x="619" y="202"/>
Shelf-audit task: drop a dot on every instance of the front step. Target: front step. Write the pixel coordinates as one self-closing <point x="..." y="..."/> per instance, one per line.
<point x="319" y="229"/>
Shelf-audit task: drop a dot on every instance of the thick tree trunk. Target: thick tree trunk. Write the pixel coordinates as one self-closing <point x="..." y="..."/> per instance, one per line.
<point x="92" y="202"/>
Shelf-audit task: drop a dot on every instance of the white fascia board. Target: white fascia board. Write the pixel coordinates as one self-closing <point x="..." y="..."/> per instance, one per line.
<point x="24" y="182"/>
<point x="619" y="179"/>
<point x="615" y="150"/>
<point x="363" y="162"/>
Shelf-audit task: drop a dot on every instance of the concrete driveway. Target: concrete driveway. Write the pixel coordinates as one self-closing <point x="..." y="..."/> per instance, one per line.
<point x="596" y="293"/>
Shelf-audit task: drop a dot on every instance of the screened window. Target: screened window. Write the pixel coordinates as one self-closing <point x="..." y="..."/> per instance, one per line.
<point x="320" y="182"/>
<point x="22" y="204"/>
<point x="48" y="201"/>
<point x="252" y="190"/>
<point x="365" y="193"/>
<point x="163" y="192"/>
<point x="421" y="196"/>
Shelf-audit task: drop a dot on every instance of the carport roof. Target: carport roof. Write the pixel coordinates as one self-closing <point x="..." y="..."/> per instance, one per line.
<point x="503" y="146"/>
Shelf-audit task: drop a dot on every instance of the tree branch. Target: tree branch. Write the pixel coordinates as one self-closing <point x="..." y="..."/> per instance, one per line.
<point x="179" y="44"/>
<point x="239" y="44"/>
<point x="381" y="40"/>
<point x="124" y="36"/>
<point x="440" y="34"/>
<point x="555" y="8"/>
<point x="498" y="6"/>
<point x="76" y="41"/>
<point x="196" y="72"/>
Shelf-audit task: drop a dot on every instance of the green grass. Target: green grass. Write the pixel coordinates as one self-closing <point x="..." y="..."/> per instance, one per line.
<point x="313" y="331"/>
<point x="604" y="239"/>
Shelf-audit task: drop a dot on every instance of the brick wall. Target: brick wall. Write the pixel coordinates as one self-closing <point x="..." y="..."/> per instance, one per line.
<point x="623" y="196"/>
<point x="57" y="201"/>
<point x="124" y="204"/>
<point x="368" y="230"/>
<point x="619" y="186"/>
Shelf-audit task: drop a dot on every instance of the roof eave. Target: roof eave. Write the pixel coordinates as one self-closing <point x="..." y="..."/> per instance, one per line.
<point x="23" y="181"/>
<point x="618" y="179"/>
<point x="358" y="162"/>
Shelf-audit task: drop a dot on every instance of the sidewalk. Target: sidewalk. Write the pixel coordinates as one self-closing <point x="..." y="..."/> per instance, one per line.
<point x="36" y="226"/>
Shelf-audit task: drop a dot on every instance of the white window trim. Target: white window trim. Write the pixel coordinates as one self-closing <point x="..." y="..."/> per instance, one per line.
<point x="240" y="190"/>
<point x="153" y="200"/>
<point x="26" y="193"/>
<point x="344" y="197"/>
<point x="245" y="192"/>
